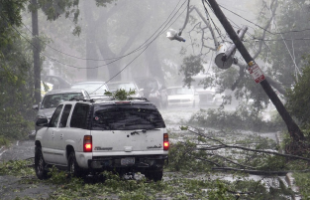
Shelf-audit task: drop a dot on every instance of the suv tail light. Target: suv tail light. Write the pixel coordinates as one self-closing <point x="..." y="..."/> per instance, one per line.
<point x="88" y="143"/>
<point x="166" y="142"/>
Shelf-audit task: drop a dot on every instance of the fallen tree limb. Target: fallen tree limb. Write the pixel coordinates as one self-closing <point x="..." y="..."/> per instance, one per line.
<point x="258" y="172"/>
<point x="255" y="172"/>
<point x="245" y="166"/>
<point x="223" y="145"/>
<point x="254" y="150"/>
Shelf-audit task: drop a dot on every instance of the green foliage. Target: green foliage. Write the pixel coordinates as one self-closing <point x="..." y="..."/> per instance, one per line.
<point x="116" y="187"/>
<point x="191" y="66"/>
<point x="15" y="92"/>
<point x="4" y="141"/>
<point x="302" y="180"/>
<point x="184" y="128"/>
<point x="55" y="8"/>
<point x="103" y="2"/>
<point x="16" y="168"/>
<point x="178" y="186"/>
<point x="10" y="16"/>
<point x="240" y="119"/>
<point x="298" y="97"/>
<point x="273" y="163"/>
<point x="220" y="192"/>
<point x="182" y="158"/>
<point x="120" y="94"/>
<point x="291" y="19"/>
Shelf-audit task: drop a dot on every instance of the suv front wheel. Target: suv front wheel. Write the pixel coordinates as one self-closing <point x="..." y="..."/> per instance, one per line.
<point x="39" y="164"/>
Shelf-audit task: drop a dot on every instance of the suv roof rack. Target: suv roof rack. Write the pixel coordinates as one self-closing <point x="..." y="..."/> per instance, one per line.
<point x="113" y="99"/>
<point x="138" y="98"/>
<point x="81" y="99"/>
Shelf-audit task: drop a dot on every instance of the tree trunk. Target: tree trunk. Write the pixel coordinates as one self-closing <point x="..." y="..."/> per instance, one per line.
<point x="36" y="51"/>
<point x="91" y="47"/>
<point x="153" y="63"/>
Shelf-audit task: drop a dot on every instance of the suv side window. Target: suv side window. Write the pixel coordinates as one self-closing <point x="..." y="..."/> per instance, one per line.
<point x="79" y="116"/>
<point x="55" y="117"/>
<point x="65" y="115"/>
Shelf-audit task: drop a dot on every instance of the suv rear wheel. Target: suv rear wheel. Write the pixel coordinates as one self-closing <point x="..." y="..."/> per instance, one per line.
<point x="39" y="164"/>
<point x="154" y="175"/>
<point x="73" y="167"/>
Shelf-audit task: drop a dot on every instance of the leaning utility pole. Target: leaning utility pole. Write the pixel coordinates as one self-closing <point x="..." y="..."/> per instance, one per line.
<point x="36" y="51"/>
<point x="257" y="74"/>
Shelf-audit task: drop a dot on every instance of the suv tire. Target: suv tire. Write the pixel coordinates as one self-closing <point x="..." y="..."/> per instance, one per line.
<point x="154" y="175"/>
<point x="73" y="167"/>
<point x="39" y="164"/>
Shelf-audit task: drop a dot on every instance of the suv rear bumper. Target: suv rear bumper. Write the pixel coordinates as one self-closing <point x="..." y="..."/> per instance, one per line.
<point x="141" y="163"/>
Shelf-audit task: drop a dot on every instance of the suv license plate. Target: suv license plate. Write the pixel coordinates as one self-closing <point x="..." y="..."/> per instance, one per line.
<point x="127" y="161"/>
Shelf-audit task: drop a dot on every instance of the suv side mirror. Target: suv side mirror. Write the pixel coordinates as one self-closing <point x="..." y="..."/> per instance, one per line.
<point x="42" y="122"/>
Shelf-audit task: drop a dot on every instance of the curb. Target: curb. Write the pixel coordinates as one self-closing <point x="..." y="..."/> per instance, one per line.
<point x="2" y="150"/>
<point x="291" y="182"/>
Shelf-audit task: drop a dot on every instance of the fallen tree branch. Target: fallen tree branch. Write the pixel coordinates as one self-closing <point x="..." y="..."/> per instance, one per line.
<point x="245" y="166"/>
<point x="223" y="145"/>
<point x="254" y="150"/>
<point x="258" y="172"/>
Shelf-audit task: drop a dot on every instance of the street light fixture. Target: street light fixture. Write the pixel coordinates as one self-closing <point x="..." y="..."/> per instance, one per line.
<point x="174" y="35"/>
<point x="225" y="52"/>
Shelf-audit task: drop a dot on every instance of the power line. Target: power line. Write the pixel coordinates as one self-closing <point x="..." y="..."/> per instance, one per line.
<point x="125" y="55"/>
<point x="158" y="32"/>
<point x="144" y="47"/>
<point x="209" y="16"/>
<point x="273" y="33"/>
<point x="267" y="40"/>
<point x="163" y="29"/>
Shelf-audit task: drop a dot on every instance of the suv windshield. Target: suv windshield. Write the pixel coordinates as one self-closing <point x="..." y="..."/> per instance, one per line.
<point x="126" y="117"/>
<point x="52" y="101"/>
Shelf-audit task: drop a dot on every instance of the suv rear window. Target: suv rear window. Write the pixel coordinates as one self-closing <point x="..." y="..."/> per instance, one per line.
<point x="126" y="117"/>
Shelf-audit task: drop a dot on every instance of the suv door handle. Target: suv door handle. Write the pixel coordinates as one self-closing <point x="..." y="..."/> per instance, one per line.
<point x="61" y="135"/>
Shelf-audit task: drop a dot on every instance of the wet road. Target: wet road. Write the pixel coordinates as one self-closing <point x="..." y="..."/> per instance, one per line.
<point x="174" y="118"/>
<point x="18" y="151"/>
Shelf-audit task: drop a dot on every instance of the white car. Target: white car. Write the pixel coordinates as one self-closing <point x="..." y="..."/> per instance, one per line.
<point x="181" y="96"/>
<point x="88" y="137"/>
<point x="51" y="100"/>
<point x="95" y="89"/>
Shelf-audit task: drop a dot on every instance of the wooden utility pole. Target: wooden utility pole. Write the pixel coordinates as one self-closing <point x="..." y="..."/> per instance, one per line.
<point x="257" y="74"/>
<point x="36" y="51"/>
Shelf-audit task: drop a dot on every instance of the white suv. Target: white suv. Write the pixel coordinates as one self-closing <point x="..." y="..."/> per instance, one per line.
<point x="92" y="136"/>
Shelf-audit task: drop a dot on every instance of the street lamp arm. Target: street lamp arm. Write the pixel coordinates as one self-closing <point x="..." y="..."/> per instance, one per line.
<point x="186" y="18"/>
